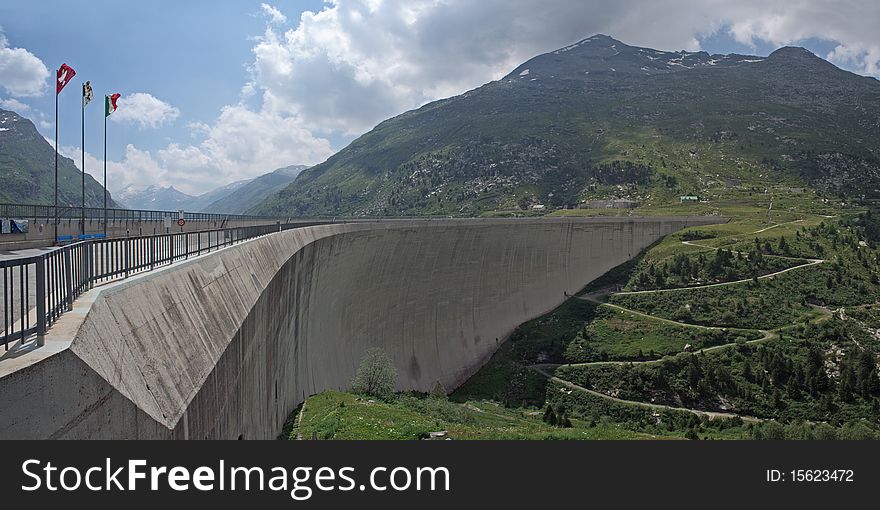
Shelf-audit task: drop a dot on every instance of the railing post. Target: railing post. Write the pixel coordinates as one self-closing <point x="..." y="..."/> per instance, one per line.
<point x="41" y="299"/>
<point x="83" y="282"/>
<point x="87" y="257"/>
<point x="68" y="279"/>
<point x="125" y="243"/>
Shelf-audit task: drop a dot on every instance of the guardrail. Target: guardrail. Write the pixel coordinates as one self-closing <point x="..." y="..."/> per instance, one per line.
<point x="47" y="212"/>
<point x="37" y="290"/>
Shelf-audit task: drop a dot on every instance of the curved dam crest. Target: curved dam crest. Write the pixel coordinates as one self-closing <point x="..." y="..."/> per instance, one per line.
<point x="228" y="344"/>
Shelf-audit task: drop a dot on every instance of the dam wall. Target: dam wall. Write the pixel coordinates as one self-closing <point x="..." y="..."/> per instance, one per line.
<point x="226" y="346"/>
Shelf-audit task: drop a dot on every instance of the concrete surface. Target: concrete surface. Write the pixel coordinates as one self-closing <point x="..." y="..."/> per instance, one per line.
<point x="228" y="344"/>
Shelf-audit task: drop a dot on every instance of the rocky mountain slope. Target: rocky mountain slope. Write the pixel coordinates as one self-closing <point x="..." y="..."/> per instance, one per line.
<point x="27" y="169"/>
<point x="201" y="202"/>
<point x="155" y="198"/>
<point x="253" y="192"/>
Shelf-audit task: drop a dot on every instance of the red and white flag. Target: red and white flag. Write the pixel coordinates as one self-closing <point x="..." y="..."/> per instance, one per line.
<point x="65" y="74"/>
<point x="110" y="104"/>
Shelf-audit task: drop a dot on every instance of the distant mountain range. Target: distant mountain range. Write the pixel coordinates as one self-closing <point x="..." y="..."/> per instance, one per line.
<point x="601" y="120"/>
<point x="154" y="198"/>
<point x="201" y="202"/>
<point x="234" y="198"/>
<point x="27" y="169"/>
<point x="251" y="193"/>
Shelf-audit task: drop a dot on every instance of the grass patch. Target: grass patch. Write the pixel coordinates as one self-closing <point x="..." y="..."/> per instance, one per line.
<point x="664" y="422"/>
<point x="337" y="415"/>
<point x="620" y="336"/>
<point x="706" y="267"/>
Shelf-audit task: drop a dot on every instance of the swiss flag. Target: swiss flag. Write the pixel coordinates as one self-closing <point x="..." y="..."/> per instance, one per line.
<point x="65" y="74"/>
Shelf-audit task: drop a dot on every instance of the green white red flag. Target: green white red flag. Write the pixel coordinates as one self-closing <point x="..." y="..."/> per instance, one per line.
<point x="110" y="104"/>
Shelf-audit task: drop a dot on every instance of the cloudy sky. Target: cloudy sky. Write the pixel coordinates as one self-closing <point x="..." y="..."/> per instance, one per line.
<point x="222" y="90"/>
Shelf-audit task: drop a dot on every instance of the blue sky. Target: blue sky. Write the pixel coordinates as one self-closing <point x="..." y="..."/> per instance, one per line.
<point x="192" y="55"/>
<point x="225" y="90"/>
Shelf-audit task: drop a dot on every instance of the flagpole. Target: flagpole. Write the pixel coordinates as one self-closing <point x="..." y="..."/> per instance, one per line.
<point x="105" y="171"/>
<point x="83" y="209"/>
<point x="56" y="169"/>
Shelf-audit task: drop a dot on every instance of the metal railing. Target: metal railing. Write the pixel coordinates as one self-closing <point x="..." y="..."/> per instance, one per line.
<point x="37" y="290"/>
<point x="47" y="212"/>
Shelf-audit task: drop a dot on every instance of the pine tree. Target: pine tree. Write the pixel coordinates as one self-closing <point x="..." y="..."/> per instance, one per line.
<point x="747" y="371"/>
<point x="549" y="416"/>
<point x="783" y="246"/>
<point x="866" y="374"/>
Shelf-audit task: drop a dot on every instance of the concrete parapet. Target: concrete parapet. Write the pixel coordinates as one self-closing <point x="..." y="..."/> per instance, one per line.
<point x="41" y="231"/>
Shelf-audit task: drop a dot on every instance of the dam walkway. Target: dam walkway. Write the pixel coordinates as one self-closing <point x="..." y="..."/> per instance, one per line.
<point x="39" y="285"/>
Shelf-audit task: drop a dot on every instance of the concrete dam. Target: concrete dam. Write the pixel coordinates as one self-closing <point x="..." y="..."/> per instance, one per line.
<point x="226" y="345"/>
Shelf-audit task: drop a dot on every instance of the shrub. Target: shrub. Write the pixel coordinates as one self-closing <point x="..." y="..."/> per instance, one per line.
<point x="438" y="390"/>
<point x="376" y="374"/>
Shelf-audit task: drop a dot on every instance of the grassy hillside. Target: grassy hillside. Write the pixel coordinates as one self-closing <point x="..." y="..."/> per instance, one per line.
<point x="604" y="120"/>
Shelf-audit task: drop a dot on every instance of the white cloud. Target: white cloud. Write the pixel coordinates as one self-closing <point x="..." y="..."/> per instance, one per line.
<point x="240" y="144"/>
<point x="244" y="143"/>
<point x="14" y="105"/>
<point x="274" y="15"/>
<point x="144" y="110"/>
<point x="198" y="129"/>
<point x="864" y="59"/>
<point x="137" y="167"/>
<point x="22" y="74"/>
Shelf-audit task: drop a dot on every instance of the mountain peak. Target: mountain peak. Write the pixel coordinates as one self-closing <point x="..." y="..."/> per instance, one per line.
<point x="602" y="39"/>
<point x="596" y="42"/>
<point x="793" y="52"/>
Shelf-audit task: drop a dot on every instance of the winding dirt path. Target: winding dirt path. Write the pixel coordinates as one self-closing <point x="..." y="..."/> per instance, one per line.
<point x="712" y="415"/>
<point x="810" y="262"/>
<point x="595" y="298"/>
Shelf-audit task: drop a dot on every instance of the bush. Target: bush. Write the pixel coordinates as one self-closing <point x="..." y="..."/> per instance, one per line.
<point x="376" y="374"/>
<point x="771" y="431"/>
<point x="438" y="390"/>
